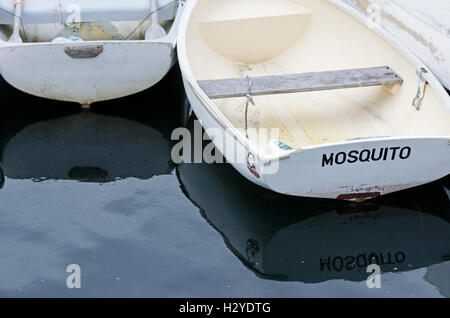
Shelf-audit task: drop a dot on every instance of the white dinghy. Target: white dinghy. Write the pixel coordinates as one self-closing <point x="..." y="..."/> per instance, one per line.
<point x="351" y="115"/>
<point x="87" y="51"/>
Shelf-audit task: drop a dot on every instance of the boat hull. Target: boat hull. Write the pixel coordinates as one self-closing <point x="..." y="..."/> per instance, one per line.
<point x="361" y="170"/>
<point x="209" y="122"/>
<point x="93" y="70"/>
<point x="123" y="68"/>
<point x="356" y="170"/>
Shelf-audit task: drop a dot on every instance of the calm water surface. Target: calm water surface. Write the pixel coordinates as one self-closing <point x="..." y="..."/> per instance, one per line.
<point x="98" y="189"/>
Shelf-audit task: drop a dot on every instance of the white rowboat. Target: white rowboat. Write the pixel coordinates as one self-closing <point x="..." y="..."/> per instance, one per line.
<point x="338" y="91"/>
<point x="87" y="51"/>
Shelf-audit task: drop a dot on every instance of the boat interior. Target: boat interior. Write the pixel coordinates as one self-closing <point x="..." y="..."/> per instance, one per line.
<point x="56" y="26"/>
<point x="250" y="38"/>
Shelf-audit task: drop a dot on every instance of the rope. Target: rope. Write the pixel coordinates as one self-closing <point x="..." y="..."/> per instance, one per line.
<point x="148" y="16"/>
<point x="420" y="95"/>
<point x="21" y="21"/>
<point x="420" y="83"/>
<point x="247" y="102"/>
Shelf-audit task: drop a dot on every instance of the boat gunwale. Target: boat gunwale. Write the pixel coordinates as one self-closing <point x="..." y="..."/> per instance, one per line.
<point x="171" y="37"/>
<point x="83" y="43"/>
<point x="225" y="123"/>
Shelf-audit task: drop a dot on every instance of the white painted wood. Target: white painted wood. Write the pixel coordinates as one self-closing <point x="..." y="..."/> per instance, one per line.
<point x="67" y="72"/>
<point x="315" y="124"/>
<point x="296" y="83"/>
<point x="45" y="70"/>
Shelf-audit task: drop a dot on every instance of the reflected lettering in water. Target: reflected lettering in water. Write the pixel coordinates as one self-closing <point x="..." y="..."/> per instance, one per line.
<point x="310" y="240"/>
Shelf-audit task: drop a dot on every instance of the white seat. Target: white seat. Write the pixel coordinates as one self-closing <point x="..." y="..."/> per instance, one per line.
<point x="255" y="38"/>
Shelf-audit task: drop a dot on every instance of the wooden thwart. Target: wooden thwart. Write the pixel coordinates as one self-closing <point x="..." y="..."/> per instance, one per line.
<point x="295" y="83"/>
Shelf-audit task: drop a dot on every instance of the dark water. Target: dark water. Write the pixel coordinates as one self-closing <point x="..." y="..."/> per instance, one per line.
<point x="98" y="189"/>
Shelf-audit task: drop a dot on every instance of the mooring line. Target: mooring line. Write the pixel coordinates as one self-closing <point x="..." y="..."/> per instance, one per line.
<point x="21" y="22"/>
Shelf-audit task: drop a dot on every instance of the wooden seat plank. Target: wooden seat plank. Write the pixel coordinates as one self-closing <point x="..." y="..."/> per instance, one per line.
<point x="303" y="82"/>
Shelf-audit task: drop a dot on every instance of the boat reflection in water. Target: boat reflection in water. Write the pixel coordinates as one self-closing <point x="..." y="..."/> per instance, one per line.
<point x="294" y="239"/>
<point x="102" y="149"/>
<point x="84" y="146"/>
